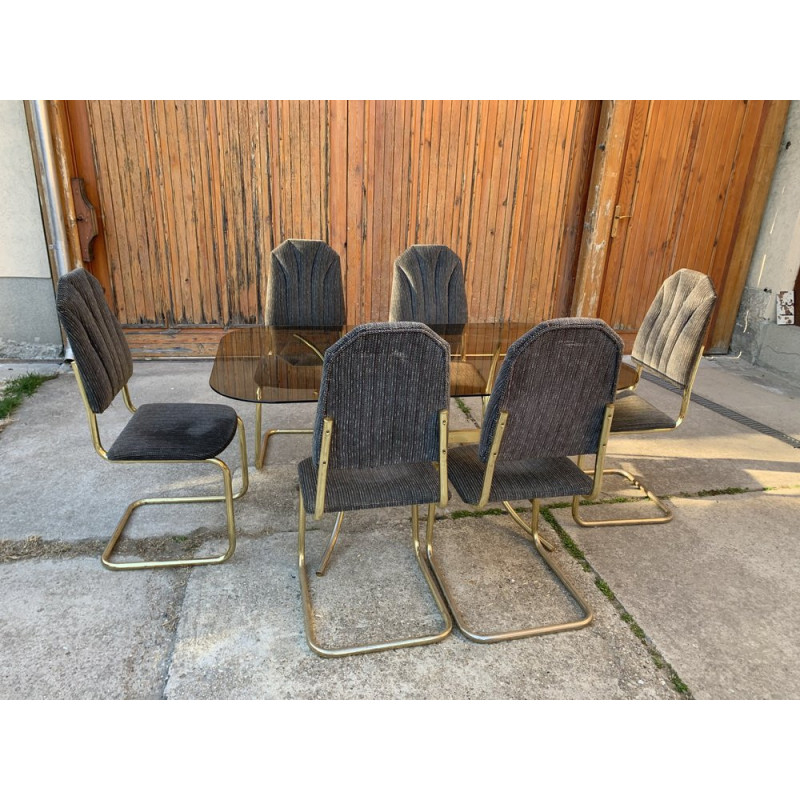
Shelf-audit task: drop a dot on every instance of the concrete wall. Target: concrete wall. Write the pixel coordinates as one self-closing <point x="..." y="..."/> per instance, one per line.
<point x="774" y="267"/>
<point x="28" y="322"/>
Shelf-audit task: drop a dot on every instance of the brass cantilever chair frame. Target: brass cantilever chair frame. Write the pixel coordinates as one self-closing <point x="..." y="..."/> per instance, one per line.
<point x="573" y="476"/>
<point x="228" y="497"/>
<point x="674" y="326"/>
<point x="327" y="428"/>
<point x="81" y="294"/>
<point x="312" y="269"/>
<point x="632" y="479"/>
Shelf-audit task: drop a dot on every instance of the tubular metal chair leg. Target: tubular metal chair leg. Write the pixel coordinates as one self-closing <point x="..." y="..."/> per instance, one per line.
<point x="262" y="450"/>
<point x="308" y="609"/>
<point x="604" y="523"/>
<point x="228" y="497"/>
<point x="326" y="559"/>
<point x="542" y="547"/>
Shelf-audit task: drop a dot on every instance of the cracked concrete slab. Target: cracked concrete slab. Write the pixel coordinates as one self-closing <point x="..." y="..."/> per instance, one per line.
<point x="242" y="634"/>
<point x="71" y="630"/>
<point x="236" y="630"/>
<point x="718" y="589"/>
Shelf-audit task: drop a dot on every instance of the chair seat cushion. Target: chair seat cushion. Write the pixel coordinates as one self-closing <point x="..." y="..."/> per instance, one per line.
<point x="514" y="480"/>
<point x="376" y="487"/>
<point x="175" y="431"/>
<point x="633" y="413"/>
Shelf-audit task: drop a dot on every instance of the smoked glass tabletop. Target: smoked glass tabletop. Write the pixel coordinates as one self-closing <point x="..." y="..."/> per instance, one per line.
<point x="263" y="364"/>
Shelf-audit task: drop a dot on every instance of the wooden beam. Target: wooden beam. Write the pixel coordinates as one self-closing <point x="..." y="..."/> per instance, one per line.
<point x="612" y="136"/>
<point x="173" y="342"/>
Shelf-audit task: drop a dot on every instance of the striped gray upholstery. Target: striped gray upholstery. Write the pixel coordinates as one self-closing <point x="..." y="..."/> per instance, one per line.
<point x="555" y="383"/>
<point x="98" y="343"/>
<point x="514" y="480"/>
<point x="383" y="384"/>
<point x="380" y="487"/>
<point x="175" y="431"/>
<point x="673" y="330"/>
<point x="428" y="286"/>
<point x="304" y="286"/>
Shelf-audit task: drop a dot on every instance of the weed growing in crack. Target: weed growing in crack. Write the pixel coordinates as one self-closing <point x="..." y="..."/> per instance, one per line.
<point x="19" y="388"/>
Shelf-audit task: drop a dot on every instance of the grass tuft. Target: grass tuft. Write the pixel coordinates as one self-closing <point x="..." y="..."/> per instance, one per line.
<point x="19" y="388"/>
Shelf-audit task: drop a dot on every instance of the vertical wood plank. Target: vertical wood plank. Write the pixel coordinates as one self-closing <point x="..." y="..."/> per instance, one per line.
<point x="337" y="170"/>
<point x="355" y="211"/>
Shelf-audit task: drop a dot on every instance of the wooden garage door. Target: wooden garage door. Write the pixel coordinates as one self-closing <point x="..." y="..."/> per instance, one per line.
<point x="194" y="195"/>
<point x="686" y="198"/>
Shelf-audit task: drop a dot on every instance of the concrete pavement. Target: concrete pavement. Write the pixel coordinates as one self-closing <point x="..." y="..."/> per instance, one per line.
<point x="705" y="606"/>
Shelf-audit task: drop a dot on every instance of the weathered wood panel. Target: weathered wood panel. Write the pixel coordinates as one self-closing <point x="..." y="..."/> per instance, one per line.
<point x="687" y="178"/>
<point x="194" y="196"/>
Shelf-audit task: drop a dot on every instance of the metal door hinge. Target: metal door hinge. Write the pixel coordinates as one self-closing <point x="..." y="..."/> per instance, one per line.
<point x="617" y="217"/>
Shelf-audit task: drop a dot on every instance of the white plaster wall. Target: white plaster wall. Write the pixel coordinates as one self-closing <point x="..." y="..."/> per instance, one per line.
<point x="776" y="257"/>
<point x="28" y="321"/>
<point x="23" y="249"/>
<point x="775" y="264"/>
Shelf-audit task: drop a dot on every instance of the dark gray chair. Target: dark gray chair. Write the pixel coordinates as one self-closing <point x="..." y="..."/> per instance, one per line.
<point x="304" y="285"/>
<point x="380" y="440"/>
<point x="157" y="432"/>
<point x="553" y="399"/>
<point x="428" y="286"/>
<point x="669" y="344"/>
<point x="304" y="289"/>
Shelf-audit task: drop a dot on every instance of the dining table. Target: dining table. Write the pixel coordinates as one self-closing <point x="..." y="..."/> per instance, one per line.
<point x="283" y="364"/>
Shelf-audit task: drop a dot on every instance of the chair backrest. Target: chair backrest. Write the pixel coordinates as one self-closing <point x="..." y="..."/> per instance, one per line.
<point x="673" y="330"/>
<point x="304" y="285"/>
<point x="555" y="383"/>
<point x="383" y="384"/>
<point x="428" y="286"/>
<point x="95" y="335"/>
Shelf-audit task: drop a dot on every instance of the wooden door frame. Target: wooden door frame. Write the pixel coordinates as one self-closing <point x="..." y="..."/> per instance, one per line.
<point x="607" y="173"/>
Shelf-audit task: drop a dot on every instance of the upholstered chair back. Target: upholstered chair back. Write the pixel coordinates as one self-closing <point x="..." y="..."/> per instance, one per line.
<point x="304" y="285"/>
<point x="383" y="384"/>
<point x="95" y="335"/>
<point x="428" y="286"/>
<point x="555" y="382"/>
<point x="673" y="330"/>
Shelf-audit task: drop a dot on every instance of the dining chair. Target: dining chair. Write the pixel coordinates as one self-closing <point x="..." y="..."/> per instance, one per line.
<point x="380" y="440"/>
<point x="304" y="290"/>
<point x="180" y="433"/>
<point x="553" y="400"/>
<point x="428" y="286"/>
<point x="669" y="344"/>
